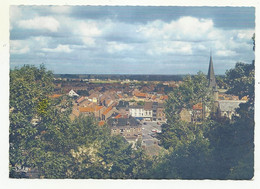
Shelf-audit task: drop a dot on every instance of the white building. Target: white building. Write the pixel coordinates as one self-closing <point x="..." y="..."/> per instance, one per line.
<point x="72" y="93"/>
<point x="136" y="111"/>
<point x="227" y="108"/>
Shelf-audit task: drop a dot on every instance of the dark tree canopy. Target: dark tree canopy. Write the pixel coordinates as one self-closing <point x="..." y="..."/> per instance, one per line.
<point x="43" y="138"/>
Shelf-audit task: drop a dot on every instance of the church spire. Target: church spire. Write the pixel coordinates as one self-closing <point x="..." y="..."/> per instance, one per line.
<point x="211" y="76"/>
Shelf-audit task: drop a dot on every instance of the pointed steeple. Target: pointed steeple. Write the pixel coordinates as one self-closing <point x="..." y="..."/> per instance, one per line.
<point x="211" y="76"/>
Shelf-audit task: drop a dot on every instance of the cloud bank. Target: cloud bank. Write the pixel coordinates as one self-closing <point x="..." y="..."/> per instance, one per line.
<point x="123" y="40"/>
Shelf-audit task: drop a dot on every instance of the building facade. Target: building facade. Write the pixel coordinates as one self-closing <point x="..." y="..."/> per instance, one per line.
<point x="129" y="127"/>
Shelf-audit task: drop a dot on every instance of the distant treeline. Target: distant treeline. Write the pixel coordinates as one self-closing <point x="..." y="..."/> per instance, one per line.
<point x="122" y="77"/>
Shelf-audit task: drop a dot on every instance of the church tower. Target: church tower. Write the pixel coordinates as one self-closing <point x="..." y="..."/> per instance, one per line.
<point x="211" y="76"/>
<point x="212" y="79"/>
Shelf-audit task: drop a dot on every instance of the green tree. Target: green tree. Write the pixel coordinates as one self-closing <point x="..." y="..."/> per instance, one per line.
<point x="233" y="143"/>
<point x="188" y="158"/>
<point x="241" y="80"/>
<point x="189" y="152"/>
<point x="193" y="90"/>
<point x="29" y="87"/>
<point x="42" y="137"/>
<point x="221" y="81"/>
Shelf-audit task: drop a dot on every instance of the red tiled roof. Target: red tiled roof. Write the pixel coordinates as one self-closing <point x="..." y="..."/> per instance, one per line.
<point x="90" y="109"/>
<point x="118" y="116"/>
<point x="107" y="110"/>
<point x="55" y="96"/>
<point x="244" y="98"/>
<point x="143" y="95"/>
<point x="80" y="99"/>
<point x="165" y="97"/>
<point x="101" y="123"/>
<point x="197" y="106"/>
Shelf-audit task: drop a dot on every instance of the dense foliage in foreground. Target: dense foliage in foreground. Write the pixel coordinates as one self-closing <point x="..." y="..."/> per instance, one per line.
<point x="44" y="139"/>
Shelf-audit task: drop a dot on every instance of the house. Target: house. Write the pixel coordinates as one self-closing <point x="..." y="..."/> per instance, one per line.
<point x="95" y="97"/>
<point x="227" y="108"/>
<point x="136" y="111"/>
<point x="160" y="115"/>
<point x="108" y="112"/>
<point x="197" y="113"/>
<point x="73" y="93"/>
<point x="123" y="107"/>
<point x="141" y="95"/>
<point x="164" y="97"/>
<point x="55" y="96"/>
<point x="138" y="95"/>
<point x="154" y="108"/>
<point x="227" y="97"/>
<point x="129" y="127"/>
<point x="80" y="99"/>
<point x="101" y="123"/>
<point x="148" y="111"/>
<point x="95" y="111"/>
<point x="185" y="115"/>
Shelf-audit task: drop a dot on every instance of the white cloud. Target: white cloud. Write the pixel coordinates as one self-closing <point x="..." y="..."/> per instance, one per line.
<point x="88" y="30"/>
<point x="167" y="47"/>
<point x="23" y="50"/>
<point x="113" y="47"/>
<point x="38" y="23"/>
<point x="109" y="40"/>
<point x="244" y="34"/>
<point x="15" y="13"/>
<point x="18" y="47"/>
<point x="60" y="9"/>
<point x="41" y="41"/>
<point x="185" y="28"/>
<point x="225" y="53"/>
<point x="59" y="48"/>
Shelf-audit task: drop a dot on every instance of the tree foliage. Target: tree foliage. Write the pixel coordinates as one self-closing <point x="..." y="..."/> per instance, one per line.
<point x="216" y="148"/>
<point x="43" y="138"/>
<point x="193" y="90"/>
<point x="189" y="152"/>
<point x="241" y="80"/>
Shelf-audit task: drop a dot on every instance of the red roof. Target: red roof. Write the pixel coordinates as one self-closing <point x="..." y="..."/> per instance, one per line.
<point x="107" y="110"/>
<point x="90" y="109"/>
<point x="80" y="99"/>
<point x="197" y="106"/>
<point x="143" y="95"/>
<point x="165" y="97"/>
<point x="101" y="123"/>
<point x="55" y="96"/>
<point x="118" y="116"/>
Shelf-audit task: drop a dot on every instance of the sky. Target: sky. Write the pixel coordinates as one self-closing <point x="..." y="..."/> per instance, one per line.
<point x="131" y="39"/>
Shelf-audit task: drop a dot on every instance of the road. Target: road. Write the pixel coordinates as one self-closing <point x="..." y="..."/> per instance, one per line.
<point x="148" y="134"/>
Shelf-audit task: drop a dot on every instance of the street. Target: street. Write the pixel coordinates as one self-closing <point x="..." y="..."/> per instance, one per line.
<point x="149" y="129"/>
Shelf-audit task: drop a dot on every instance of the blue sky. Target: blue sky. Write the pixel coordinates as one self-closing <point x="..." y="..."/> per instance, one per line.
<point x="131" y="40"/>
